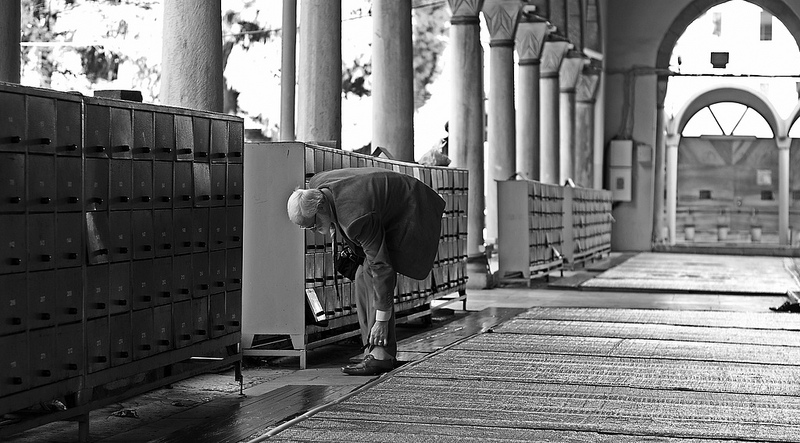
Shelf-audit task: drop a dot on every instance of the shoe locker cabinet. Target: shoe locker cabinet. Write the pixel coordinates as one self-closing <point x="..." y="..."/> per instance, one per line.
<point x="532" y="210"/>
<point x="120" y="249"/>
<point x="587" y="224"/>
<point x="282" y="261"/>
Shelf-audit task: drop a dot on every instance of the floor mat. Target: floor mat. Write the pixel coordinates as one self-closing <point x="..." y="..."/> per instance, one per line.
<point x="699" y="273"/>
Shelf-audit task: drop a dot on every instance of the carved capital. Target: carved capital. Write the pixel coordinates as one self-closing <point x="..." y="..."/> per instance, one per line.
<point x="552" y="54"/>
<point x="502" y="17"/>
<point x="569" y="72"/>
<point x="586" y="89"/>
<point x="661" y="91"/>
<point x="530" y="39"/>
<point x="464" y="11"/>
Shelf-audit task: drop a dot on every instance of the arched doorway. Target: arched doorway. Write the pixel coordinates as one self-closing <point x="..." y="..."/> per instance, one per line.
<point x="730" y="185"/>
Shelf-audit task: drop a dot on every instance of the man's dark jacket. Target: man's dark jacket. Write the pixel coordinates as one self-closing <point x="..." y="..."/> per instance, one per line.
<point x="394" y="217"/>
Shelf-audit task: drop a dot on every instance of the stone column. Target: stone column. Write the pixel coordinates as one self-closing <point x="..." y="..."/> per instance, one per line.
<point x="501" y="17"/>
<point x="783" y="189"/>
<point x="554" y="52"/>
<point x="392" y="78"/>
<point x="569" y="73"/>
<point x="530" y="37"/>
<point x="583" y="156"/>
<point x="660" y="172"/>
<point x="288" y="77"/>
<point x="466" y="124"/>
<point x="191" y="73"/>
<point x="672" y="142"/>
<point x="319" y="89"/>
<point x="9" y="40"/>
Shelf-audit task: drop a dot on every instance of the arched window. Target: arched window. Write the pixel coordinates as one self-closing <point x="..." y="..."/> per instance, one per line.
<point x="727" y="119"/>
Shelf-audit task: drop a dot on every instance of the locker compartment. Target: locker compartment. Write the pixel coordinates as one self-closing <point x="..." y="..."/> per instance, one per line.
<point x="69" y="351"/>
<point x="14" y="315"/>
<point x="162" y="278"/>
<point x="233" y="311"/>
<point x="120" y="242"/>
<point x="41" y="134"/>
<point x="12" y="114"/>
<point x="142" y="184"/>
<point x="42" y="357"/>
<point x="142" y="223"/>
<point x="41" y="177"/>
<point x="202" y="184"/>
<point x="235" y="142"/>
<point x="217" y="229"/>
<point x="235" y="187"/>
<point x="200" y="320"/>
<point x="184" y="138"/>
<point x="234" y="223"/>
<point x="95" y="293"/>
<point x="95" y="184"/>
<point x="162" y="327"/>
<point x="68" y="241"/>
<point x="200" y="275"/>
<point x="69" y="184"/>
<point x="121" y="339"/>
<point x="165" y="136"/>
<point x="182" y="316"/>
<point x="119" y="278"/>
<point x="68" y="128"/>
<point x="202" y="134"/>
<point x="162" y="185"/>
<point x="216" y="315"/>
<point x="219" y="140"/>
<point x="143" y="135"/>
<point x="96" y="133"/>
<point x="182" y="277"/>
<point x="217" y="271"/>
<point x="98" y="348"/>
<point x="41" y="299"/>
<point x="163" y="236"/>
<point x="182" y="230"/>
<point x="183" y="185"/>
<point x="121" y="133"/>
<point x="142" y="284"/>
<point x="233" y="269"/>
<point x="120" y="184"/>
<point x="13" y="244"/>
<point x="97" y="237"/>
<point x="12" y="182"/>
<point x="41" y="241"/>
<point x="14" y="372"/>
<point x="218" y="183"/>
<point x="200" y="222"/>
<point x="143" y="334"/>
<point x="69" y="296"/>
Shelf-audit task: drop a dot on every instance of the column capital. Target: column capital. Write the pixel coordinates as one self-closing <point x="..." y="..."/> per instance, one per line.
<point x="530" y="39"/>
<point x="502" y="17"/>
<point x="570" y="71"/>
<point x="783" y="142"/>
<point x="552" y="54"/>
<point x="465" y="11"/>
<point x="661" y="90"/>
<point x="586" y="89"/>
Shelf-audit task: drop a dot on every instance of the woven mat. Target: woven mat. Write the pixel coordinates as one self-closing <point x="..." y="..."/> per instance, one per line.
<point x="699" y="273"/>
<point x="721" y="319"/>
<point x="550" y="374"/>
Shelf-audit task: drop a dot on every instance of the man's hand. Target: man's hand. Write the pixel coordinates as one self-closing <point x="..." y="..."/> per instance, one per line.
<point x="379" y="333"/>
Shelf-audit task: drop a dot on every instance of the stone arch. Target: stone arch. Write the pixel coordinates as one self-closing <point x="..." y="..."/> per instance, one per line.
<point x="729" y="93"/>
<point x="777" y="8"/>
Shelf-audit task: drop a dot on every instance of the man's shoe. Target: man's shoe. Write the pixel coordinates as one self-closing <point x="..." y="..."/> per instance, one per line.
<point x="369" y="366"/>
<point x="786" y="307"/>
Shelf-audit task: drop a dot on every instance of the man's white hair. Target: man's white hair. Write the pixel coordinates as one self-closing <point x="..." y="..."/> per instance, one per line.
<point x="303" y="205"/>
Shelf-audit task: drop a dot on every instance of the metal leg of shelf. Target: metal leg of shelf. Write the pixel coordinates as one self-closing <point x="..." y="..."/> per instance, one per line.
<point x="303" y="358"/>
<point x="83" y="428"/>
